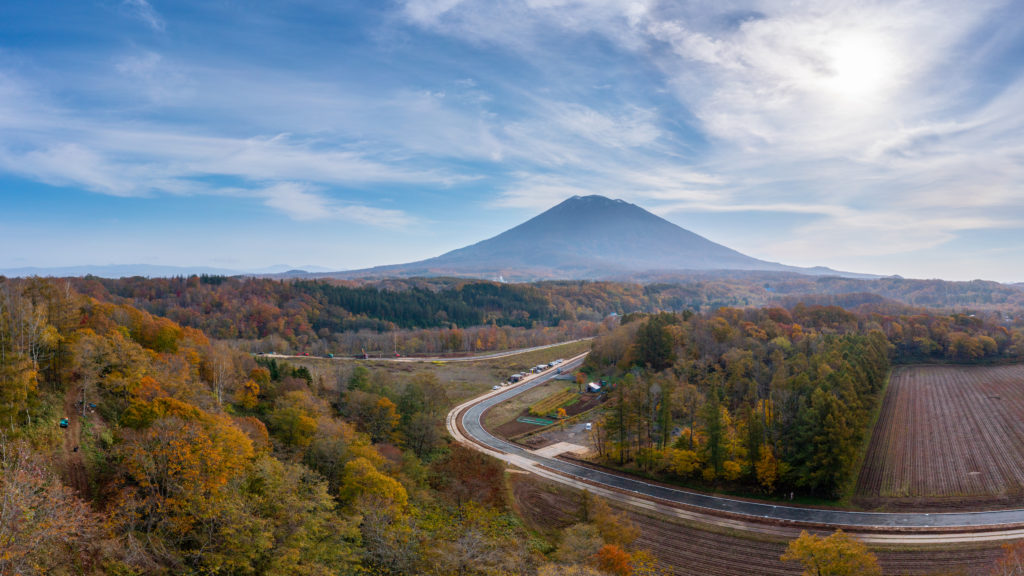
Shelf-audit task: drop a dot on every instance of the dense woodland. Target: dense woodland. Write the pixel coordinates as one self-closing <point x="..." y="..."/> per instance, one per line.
<point x="424" y="316"/>
<point x="184" y="456"/>
<point x="239" y="307"/>
<point x="774" y="288"/>
<point x="768" y="399"/>
<point x="438" y="316"/>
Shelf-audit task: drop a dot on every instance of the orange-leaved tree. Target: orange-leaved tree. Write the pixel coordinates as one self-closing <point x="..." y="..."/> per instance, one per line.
<point x="614" y="560"/>
<point x="176" y="469"/>
<point x="1012" y="562"/>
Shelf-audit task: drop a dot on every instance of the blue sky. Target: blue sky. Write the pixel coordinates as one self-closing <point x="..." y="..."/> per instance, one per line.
<point x="882" y="137"/>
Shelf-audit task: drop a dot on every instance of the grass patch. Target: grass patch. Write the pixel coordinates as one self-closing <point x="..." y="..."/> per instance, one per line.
<point x="462" y="380"/>
<point x="552" y="403"/>
<point x="510" y="409"/>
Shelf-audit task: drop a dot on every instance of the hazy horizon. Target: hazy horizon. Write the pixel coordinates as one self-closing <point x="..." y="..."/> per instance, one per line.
<point x="881" y="138"/>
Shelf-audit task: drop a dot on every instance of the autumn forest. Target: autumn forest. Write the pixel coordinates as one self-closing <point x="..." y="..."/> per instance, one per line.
<point x="188" y="451"/>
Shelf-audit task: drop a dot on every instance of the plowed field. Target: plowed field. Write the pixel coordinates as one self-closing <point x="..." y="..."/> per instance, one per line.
<point x="688" y="550"/>
<point x="948" y="438"/>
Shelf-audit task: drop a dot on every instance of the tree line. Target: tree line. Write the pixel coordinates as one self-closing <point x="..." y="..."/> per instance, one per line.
<point x="770" y="400"/>
<point x="302" y="312"/>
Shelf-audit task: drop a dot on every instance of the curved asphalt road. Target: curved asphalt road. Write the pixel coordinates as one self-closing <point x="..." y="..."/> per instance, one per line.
<point x="751" y="511"/>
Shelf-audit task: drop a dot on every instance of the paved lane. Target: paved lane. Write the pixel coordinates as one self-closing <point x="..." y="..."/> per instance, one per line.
<point x="754" y="511"/>
<point x="445" y="359"/>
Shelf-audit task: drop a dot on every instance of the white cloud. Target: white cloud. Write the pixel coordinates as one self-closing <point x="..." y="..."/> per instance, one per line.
<point x="159" y="81"/>
<point x="303" y="202"/>
<point x="658" y="182"/>
<point x="635" y="127"/>
<point x="49" y="144"/>
<point x="70" y="164"/>
<point x="874" y="234"/>
<point x="866" y="118"/>
<point x="144" y="11"/>
<point x="535" y="191"/>
<point x="522" y="24"/>
<point x="132" y="163"/>
<point x="865" y="114"/>
<point x="429" y="11"/>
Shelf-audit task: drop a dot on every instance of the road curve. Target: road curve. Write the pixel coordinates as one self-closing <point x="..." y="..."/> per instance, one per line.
<point x="464" y="425"/>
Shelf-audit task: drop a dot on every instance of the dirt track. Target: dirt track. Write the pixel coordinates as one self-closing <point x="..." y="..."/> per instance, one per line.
<point x="73" y="464"/>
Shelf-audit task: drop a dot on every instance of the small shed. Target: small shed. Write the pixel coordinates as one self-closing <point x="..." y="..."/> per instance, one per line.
<point x="593" y="387"/>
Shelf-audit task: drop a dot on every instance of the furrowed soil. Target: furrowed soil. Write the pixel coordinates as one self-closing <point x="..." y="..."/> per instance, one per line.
<point x="684" y="549"/>
<point x="948" y="438"/>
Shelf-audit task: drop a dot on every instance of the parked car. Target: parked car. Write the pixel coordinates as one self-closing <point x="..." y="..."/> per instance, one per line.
<point x="63" y="422"/>
<point x="588" y="426"/>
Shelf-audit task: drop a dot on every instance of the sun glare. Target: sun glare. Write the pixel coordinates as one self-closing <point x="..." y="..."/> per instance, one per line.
<point x="859" y="67"/>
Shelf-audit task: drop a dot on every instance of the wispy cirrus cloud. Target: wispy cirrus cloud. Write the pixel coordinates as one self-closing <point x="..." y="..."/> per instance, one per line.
<point x="150" y="74"/>
<point x="794" y="127"/>
<point x="70" y="164"/>
<point x="303" y="202"/>
<point x="864" y="112"/>
<point x="144" y="11"/>
<point x="297" y="177"/>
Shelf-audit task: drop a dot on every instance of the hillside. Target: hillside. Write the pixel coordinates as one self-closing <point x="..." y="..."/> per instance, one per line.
<point x="588" y="237"/>
<point x="446" y="315"/>
<point x="190" y="457"/>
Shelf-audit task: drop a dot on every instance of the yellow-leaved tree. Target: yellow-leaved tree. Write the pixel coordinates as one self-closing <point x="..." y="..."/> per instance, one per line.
<point x="837" y="555"/>
<point x="176" y="470"/>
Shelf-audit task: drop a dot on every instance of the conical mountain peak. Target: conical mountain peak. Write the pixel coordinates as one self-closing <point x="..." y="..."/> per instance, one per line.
<point x="584" y="237"/>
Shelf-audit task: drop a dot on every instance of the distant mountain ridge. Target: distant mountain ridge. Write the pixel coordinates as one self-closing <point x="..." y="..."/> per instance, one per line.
<point x="151" y="271"/>
<point x="582" y="238"/>
<point x="585" y="238"/>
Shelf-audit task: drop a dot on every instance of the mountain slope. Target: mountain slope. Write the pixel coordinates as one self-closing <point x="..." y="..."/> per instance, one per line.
<point x="590" y="237"/>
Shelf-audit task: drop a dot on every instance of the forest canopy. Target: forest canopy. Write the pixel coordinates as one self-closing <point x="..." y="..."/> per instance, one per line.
<point x="183" y="455"/>
<point x="766" y="400"/>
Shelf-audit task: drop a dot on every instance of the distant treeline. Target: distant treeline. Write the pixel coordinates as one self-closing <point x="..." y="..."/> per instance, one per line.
<point x="786" y="289"/>
<point x="305" y="314"/>
<point x="346" y="316"/>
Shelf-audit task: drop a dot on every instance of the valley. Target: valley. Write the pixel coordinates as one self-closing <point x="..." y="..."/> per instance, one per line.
<point x="696" y="426"/>
<point x="511" y="288"/>
<point x="710" y="402"/>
